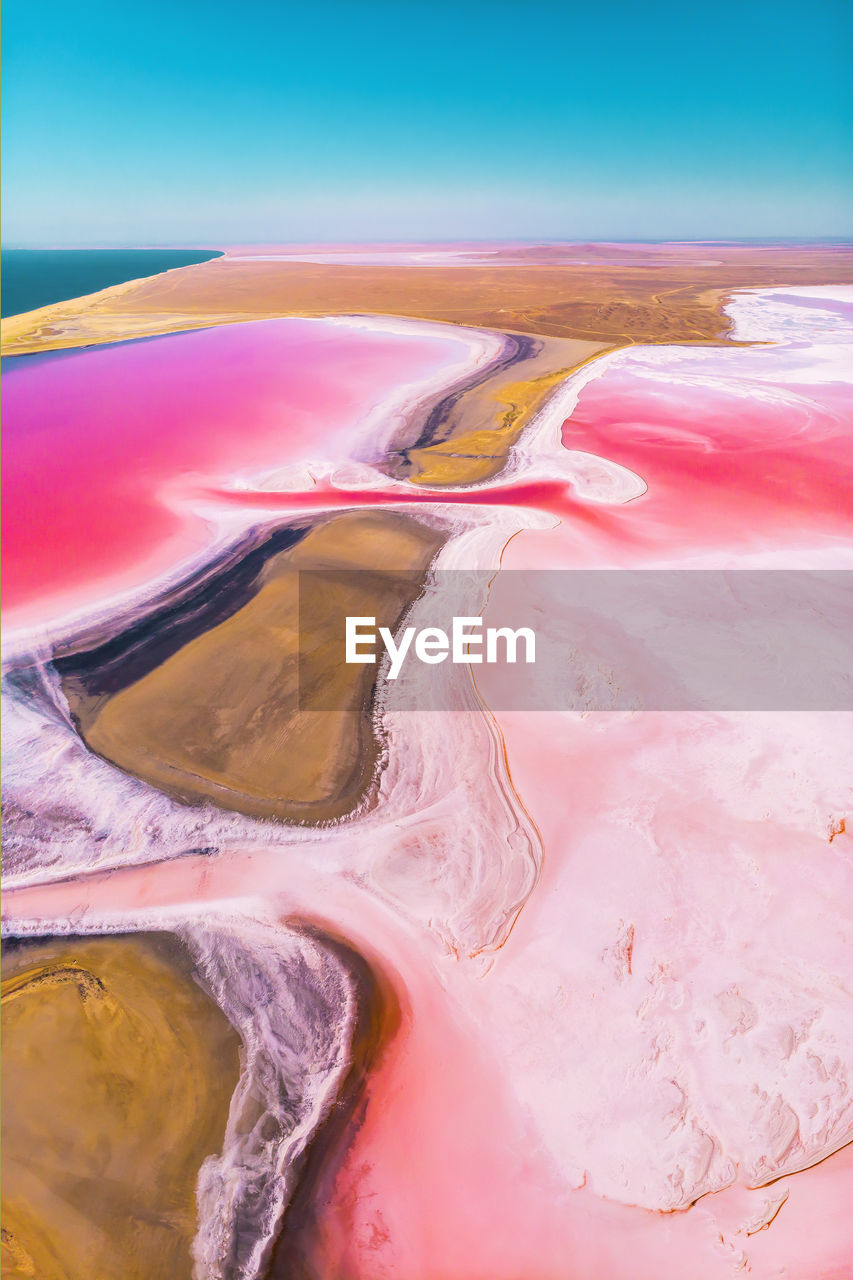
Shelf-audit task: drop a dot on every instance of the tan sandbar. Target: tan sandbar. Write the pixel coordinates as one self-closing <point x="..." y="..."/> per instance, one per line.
<point x="220" y="719"/>
<point x="118" y="1073"/>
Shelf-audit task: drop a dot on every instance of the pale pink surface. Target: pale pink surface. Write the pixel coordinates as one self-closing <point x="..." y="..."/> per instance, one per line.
<point x="95" y="442"/>
<point x="473" y="252"/>
<point x="670" y="1018"/>
<point x="449" y="1175"/>
<point x="672" y="1010"/>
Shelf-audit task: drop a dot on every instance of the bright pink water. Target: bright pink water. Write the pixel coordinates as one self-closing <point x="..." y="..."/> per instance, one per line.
<point x="482" y="1150"/>
<point x="722" y="468"/>
<point x="95" y="439"/>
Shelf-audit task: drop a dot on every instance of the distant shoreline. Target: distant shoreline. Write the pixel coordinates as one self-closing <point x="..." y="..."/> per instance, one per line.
<point x="34" y="278"/>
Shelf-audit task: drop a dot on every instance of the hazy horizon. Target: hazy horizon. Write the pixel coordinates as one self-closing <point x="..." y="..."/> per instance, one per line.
<point x="569" y="242"/>
<point x="331" y="123"/>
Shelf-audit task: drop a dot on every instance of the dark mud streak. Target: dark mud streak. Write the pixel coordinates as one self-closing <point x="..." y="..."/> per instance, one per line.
<point x="86" y="982"/>
<point x="116" y="654"/>
<point x="522" y="348"/>
<point x="165" y="944"/>
<point x="378" y="1021"/>
<point x="207" y="598"/>
<point x="431" y="424"/>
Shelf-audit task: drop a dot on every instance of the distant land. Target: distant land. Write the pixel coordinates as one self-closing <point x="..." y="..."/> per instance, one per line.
<point x="34" y="278"/>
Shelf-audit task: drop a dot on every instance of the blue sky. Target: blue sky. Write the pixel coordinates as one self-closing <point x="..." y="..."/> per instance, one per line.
<point x="211" y="123"/>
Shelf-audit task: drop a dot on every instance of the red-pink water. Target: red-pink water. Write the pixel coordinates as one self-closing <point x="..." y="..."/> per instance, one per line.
<point x="554" y="496"/>
<point x="724" y="468"/>
<point x="527" y="1119"/>
<point x="94" y="440"/>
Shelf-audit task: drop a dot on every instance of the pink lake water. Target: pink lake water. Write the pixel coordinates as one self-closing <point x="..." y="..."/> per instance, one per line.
<point x="96" y="440"/>
<point x="680" y="972"/>
<point x="610" y="1095"/>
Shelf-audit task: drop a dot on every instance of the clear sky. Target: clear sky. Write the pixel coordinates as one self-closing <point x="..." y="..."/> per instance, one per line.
<point x="197" y="123"/>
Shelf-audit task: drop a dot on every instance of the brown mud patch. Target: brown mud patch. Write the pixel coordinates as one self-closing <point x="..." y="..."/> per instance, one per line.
<point x="225" y="716"/>
<point x="468" y="438"/>
<point x="118" y="1072"/>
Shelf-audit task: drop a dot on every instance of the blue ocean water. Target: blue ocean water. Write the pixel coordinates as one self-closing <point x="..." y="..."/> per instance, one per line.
<point x="37" y="277"/>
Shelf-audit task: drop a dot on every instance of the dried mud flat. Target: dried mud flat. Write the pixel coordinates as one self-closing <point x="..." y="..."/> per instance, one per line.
<point x="220" y="718"/>
<point x="122" y="1072"/>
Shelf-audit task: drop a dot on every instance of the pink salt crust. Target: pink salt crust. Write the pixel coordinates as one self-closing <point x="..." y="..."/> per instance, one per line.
<point x="648" y="1079"/>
